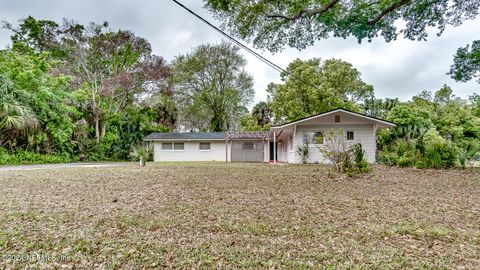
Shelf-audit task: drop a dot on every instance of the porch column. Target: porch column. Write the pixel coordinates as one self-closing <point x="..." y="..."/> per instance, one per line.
<point x="274" y="147"/>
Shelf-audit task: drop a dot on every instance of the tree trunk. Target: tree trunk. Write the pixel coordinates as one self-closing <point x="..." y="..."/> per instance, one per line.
<point x="104" y="128"/>
<point x="97" y="128"/>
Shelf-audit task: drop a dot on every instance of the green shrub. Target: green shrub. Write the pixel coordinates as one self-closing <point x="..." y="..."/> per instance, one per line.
<point x="28" y="157"/>
<point x="406" y="161"/>
<point x="359" y="160"/>
<point x="421" y="164"/>
<point x="441" y="155"/>
<point x="355" y="162"/>
<point x="141" y="152"/>
<point x="388" y="158"/>
<point x="304" y="152"/>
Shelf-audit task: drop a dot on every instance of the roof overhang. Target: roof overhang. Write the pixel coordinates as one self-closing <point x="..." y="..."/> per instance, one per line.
<point x="383" y="123"/>
<point x="181" y="140"/>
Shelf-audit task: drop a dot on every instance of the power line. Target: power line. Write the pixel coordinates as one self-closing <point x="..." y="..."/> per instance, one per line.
<point x="238" y="43"/>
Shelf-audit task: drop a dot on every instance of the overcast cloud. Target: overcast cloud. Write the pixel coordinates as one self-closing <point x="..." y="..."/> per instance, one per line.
<point x="396" y="69"/>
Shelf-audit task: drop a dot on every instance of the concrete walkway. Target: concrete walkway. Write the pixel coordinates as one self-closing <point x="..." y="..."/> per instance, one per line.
<point x="65" y="165"/>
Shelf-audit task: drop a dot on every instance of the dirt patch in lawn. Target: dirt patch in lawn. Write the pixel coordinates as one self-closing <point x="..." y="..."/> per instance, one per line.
<point x="239" y="216"/>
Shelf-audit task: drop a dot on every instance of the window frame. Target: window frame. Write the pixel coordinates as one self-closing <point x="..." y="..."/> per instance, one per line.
<point x="205" y="150"/>
<point x="172" y="146"/>
<point x="337" y="119"/>
<point x="353" y="136"/>
<point x="179" y="143"/>
<point x="312" y="139"/>
<point x="167" y="143"/>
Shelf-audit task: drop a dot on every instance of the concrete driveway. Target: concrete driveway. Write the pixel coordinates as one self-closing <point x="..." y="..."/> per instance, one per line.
<point x="65" y="165"/>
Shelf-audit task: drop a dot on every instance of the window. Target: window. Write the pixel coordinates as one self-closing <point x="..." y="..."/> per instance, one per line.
<point x="248" y="146"/>
<point x="337" y="118"/>
<point x="172" y="146"/>
<point x="166" y="146"/>
<point x="350" y="136"/>
<point x="178" y="146"/>
<point x="205" y="146"/>
<point x="313" y="137"/>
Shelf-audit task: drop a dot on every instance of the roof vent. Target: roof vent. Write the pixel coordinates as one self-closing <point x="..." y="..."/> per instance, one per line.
<point x="337" y="118"/>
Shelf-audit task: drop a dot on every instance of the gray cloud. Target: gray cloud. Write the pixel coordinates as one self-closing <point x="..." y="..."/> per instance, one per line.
<point x="397" y="69"/>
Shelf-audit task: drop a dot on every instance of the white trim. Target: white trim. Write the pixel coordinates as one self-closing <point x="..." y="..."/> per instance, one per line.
<point x="332" y="112"/>
<point x="346" y="135"/>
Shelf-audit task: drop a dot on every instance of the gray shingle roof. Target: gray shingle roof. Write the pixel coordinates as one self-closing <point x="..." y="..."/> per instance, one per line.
<point x="241" y="135"/>
<point x="186" y="136"/>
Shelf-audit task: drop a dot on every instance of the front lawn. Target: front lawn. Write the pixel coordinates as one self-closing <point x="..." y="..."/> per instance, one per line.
<point x="202" y="215"/>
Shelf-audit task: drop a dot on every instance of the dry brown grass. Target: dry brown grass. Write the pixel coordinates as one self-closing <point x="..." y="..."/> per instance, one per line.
<point x="239" y="216"/>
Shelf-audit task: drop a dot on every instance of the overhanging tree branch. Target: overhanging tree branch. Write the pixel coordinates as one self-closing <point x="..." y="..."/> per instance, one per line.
<point x="305" y="11"/>
<point x="389" y="9"/>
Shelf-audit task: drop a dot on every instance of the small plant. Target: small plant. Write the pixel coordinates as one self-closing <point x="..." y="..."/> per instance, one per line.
<point x="304" y="152"/>
<point x="349" y="160"/>
<point x="360" y="161"/>
<point x="335" y="149"/>
<point x="141" y="153"/>
<point x="467" y="154"/>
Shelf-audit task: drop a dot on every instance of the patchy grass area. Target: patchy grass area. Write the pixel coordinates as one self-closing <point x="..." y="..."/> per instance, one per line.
<point x="239" y="216"/>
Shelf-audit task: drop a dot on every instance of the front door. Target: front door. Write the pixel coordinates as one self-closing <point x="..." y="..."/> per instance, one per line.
<point x="271" y="152"/>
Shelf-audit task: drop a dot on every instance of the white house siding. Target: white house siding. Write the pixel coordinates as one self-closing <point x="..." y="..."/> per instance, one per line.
<point x="363" y="133"/>
<point x="266" y="154"/>
<point x="191" y="152"/>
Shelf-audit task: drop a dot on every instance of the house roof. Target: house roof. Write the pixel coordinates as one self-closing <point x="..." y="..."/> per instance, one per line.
<point x="247" y="135"/>
<point x="374" y="119"/>
<point x="186" y="136"/>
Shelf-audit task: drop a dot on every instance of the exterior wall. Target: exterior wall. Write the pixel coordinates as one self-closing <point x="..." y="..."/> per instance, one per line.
<point x="191" y="152"/>
<point x="363" y="133"/>
<point x="286" y="150"/>
<point x="266" y="151"/>
<point x="255" y="155"/>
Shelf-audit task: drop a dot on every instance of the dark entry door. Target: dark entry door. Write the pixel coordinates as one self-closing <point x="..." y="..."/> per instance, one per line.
<point x="271" y="152"/>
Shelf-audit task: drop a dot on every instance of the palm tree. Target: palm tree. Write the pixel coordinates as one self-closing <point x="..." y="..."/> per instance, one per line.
<point x="262" y="112"/>
<point x="15" y="117"/>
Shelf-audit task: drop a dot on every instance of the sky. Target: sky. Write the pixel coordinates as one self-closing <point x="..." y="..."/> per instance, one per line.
<point x="396" y="69"/>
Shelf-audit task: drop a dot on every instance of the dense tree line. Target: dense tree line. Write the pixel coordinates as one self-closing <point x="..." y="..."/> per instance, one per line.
<point x="74" y="92"/>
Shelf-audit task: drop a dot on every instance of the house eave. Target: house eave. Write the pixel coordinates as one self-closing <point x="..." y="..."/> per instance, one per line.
<point x="373" y="119"/>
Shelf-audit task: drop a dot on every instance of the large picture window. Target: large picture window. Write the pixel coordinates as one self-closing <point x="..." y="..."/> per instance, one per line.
<point x="313" y="137"/>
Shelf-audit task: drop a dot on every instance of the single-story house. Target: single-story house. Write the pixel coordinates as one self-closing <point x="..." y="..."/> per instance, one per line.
<point x="279" y="144"/>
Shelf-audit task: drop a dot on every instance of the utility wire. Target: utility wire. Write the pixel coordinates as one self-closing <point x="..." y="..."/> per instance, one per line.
<point x="241" y="45"/>
<point x="232" y="39"/>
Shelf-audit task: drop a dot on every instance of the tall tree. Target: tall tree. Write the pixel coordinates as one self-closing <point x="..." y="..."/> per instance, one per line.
<point x="263" y="113"/>
<point x="380" y="107"/>
<point x="314" y="86"/>
<point x="111" y="68"/>
<point x="259" y="119"/>
<point x="212" y="87"/>
<point x="466" y="63"/>
<point x="275" y="24"/>
<point x="36" y="108"/>
<point x="16" y="117"/>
